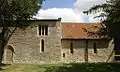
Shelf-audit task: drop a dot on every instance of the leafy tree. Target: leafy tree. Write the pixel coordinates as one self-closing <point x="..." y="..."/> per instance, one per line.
<point x="14" y="13"/>
<point x="110" y="19"/>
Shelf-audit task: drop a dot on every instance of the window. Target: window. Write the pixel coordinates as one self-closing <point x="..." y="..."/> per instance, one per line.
<point x="71" y="48"/>
<point x="43" y="30"/>
<point x="42" y="45"/>
<point x="39" y="30"/>
<point x="46" y="30"/>
<point x="95" y="49"/>
<point x="64" y="55"/>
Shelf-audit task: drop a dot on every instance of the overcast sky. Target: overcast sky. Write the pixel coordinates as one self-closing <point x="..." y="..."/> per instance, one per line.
<point x="68" y="10"/>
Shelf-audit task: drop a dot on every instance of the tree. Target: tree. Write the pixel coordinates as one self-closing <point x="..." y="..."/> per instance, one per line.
<point x="110" y="18"/>
<point x="14" y="13"/>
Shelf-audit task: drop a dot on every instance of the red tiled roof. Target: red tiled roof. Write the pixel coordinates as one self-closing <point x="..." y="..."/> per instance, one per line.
<point x="78" y="30"/>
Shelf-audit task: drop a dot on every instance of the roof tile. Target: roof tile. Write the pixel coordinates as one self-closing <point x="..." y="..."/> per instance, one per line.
<point x="79" y="30"/>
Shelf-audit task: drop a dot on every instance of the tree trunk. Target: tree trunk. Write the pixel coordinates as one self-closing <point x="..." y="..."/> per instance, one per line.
<point x="117" y="48"/>
<point x="1" y="51"/>
<point x="2" y="45"/>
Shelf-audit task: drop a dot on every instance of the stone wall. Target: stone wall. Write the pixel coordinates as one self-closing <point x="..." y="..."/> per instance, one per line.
<point x="77" y="55"/>
<point x="26" y="44"/>
<point x="103" y="51"/>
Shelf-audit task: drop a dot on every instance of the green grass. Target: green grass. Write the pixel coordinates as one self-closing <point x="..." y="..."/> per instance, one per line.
<point x="73" y="67"/>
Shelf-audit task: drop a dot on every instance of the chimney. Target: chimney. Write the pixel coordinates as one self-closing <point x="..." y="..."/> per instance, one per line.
<point x="59" y="19"/>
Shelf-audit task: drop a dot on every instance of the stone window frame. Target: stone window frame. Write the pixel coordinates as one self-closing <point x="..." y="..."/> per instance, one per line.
<point x="42" y="30"/>
<point x="42" y="45"/>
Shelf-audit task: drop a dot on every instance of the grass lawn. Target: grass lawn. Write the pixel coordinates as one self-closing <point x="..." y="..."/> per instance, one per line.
<point x="73" y="67"/>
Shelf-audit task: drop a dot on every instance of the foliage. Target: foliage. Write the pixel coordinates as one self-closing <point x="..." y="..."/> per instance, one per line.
<point x="110" y="16"/>
<point x="17" y="10"/>
<point x="15" y="13"/>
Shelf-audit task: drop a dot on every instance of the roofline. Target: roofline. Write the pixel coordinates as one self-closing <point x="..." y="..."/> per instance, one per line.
<point x="85" y="39"/>
<point x="82" y="22"/>
<point x="59" y="19"/>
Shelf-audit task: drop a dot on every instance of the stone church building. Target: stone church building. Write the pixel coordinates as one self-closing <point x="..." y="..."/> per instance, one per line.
<point x="53" y="41"/>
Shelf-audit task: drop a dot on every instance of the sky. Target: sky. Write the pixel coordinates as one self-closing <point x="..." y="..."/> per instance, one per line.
<point x="68" y="10"/>
<point x="58" y="4"/>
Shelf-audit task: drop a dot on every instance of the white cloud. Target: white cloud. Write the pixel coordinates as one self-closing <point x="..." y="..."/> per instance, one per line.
<point x="82" y="5"/>
<point x="67" y="14"/>
<point x="70" y="14"/>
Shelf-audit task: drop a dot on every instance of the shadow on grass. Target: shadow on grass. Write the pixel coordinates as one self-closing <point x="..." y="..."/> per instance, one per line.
<point x="85" y="67"/>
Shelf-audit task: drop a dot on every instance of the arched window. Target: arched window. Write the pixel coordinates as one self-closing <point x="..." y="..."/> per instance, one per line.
<point x="42" y="45"/>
